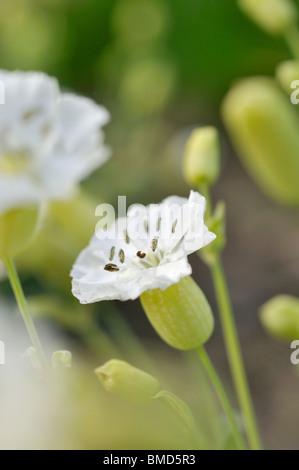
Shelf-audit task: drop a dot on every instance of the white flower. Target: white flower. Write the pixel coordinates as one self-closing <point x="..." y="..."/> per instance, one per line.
<point x="49" y="141"/>
<point x="146" y="250"/>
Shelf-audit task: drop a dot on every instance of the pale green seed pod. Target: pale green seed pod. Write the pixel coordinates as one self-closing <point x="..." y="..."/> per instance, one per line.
<point x="62" y="358"/>
<point x="287" y="73"/>
<point x="17" y="228"/>
<point x="280" y="317"/>
<point x="274" y="16"/>
<point x="201" y="161"/>
<point x="181" y="314"/>
<point x="263" y="125"/>
<point x="127" y="382"/>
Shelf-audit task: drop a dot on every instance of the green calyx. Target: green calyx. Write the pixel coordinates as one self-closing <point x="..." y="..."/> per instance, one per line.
<point x="181" y="314"/>
<point x="127" y="382"/>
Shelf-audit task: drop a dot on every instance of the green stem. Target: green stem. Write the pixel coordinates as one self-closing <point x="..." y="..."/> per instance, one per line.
<point x="184" y="413"/>
<point x="292" y="39"/>
<point x="222" y="397"/>
<point x="23" y="307"/>
<point x="234" y="354"/>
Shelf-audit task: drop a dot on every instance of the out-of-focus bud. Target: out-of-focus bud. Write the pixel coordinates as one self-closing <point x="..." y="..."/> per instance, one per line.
<point x="139" y="22"/>
<point x="274" y="16"/>
<point x="181" y="314"/>
<point x="127" y="382"/>
<point x="17" y="228"/>
<point x="201" y="161"/>
<point x="31" y="356"/>
<point x="62" y="359"/>
<point x="287" y="73"/>
<point x="147" y="86"/>
<point x="263" y="125"/>
<point x="280" y="317"/>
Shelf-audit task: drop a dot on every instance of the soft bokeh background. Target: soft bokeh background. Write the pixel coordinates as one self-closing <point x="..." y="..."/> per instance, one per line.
<point x="161" y="67"/>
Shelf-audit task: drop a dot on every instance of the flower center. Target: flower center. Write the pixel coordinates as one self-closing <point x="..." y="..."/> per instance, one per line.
<point x="11" y="164"/>
<point x="150" y="259"/>
<point x="154" y="260"/>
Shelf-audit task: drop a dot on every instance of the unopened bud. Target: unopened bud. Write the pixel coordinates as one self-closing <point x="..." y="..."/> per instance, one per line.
<point x="31" y="356"/>
<point x="201" y="161"/>
<point x="181" y="314"/>
<point x="17" y="228"/>
<point x="280" y="317"/>
<point x="125" y="381"/>
<point x="62" y="359"/>
<point x="274" y="16"/>
<point x="287" y="73"/>
<point x="263" y="125"/>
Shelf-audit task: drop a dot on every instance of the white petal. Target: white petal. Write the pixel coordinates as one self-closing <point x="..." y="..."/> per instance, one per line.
<point x="76" y="117"/>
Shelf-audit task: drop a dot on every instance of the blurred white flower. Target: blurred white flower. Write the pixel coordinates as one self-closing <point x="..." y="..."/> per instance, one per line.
<point x="146" y="250"/>
<point x="49" y="141"/>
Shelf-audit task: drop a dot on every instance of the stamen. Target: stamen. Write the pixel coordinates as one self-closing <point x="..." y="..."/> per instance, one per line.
<point x="112" y="253"/>
<point x="121" y="255"/>
<point x="111" y="267"/>
<point x="127" y="238"/>
<point x="140" y="254"/>
<point x="154" y="244"/>
<point x="30" y="114"/>
<point x="145" y="225"/>
<point x="46" y="128"/>
<point x="158" y="224"/>
<point x="174" y="226"/>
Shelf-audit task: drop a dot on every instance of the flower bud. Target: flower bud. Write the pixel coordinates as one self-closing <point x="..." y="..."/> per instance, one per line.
<point x="125" y="381"/>
<point x="274" y="16"/>
<point x="280" y="317"/>
<point x="201" y="161"/>
<point x="17" y="228"/>
<point x="287" y="73"/>
<point x="62" y="359"/>
<point x="181" y="314"/>
<point x="147" y="86"/>
<point x="263" y="125"/>
<point x="31" y="356"/>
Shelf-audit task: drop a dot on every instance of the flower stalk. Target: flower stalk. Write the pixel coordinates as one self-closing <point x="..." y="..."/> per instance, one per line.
<point x="210" y="370"/>
<point x="231" y="340"/>
<point x="23" y="307"/>
<point x="234" y="354"/>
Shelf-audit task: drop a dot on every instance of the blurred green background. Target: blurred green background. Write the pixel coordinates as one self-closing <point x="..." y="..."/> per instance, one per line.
<point x="162" y="67"/>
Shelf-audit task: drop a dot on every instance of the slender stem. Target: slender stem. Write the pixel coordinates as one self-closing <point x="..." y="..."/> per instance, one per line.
<point x="184" y="413"/>
<point x="23" y="307"/>
<point x="222" y="397"/>
<point x="231" y="340"/>
<point x="234" y="354"/>
<point x="292" y="39"/>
